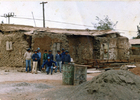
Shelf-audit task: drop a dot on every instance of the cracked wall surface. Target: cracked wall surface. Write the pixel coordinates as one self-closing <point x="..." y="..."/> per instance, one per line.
<point x="111" y="46"/>
<point x="80" y="48"/>
<point x="48" y="41"/>
<point x="14" y="57"/>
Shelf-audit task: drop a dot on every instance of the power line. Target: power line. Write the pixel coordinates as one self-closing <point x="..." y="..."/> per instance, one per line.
<point x="53" y="21"/>
<point x="67" y="23"/>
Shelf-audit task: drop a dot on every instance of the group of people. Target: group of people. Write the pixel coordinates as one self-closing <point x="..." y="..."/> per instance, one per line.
<point x="48" y="60"/>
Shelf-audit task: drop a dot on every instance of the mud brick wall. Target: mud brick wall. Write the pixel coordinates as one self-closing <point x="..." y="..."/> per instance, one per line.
<point x="135" y="50"/>
<point x="98" y="51"/>
<point x="113" y="49"/>
<point x="14" y="57"/>
<point x="80" y="48"/>
<point x="123" y="48"/>
<point x="118" y="47"/>
<point x="48" y="41"/>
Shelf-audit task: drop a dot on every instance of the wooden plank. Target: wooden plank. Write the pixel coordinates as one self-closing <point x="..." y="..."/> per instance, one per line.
<point x="82" y="65"/>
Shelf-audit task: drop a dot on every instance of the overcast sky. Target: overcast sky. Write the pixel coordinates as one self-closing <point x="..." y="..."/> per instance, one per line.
<point x="78" y="12"/>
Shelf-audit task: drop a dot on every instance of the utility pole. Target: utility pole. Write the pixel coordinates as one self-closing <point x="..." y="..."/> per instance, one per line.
<point x="43" y="12"/>
<point x="11" y="14"/>
<point x="33" y="19"/>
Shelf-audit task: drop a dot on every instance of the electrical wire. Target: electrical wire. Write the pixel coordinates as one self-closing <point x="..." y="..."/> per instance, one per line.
<point x="53" y="21"/>
<point x="66" y="23"/>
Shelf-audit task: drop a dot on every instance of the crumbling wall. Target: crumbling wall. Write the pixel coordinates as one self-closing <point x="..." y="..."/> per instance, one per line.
<point x="113" y="50"/>
<point x="47" y="41"/>
<point x="111" y="46"/>
<point x="101" y="47"/>
<point x="123" y="48"/>
<point x="135" y="50"/>
<point x="80" y="48"/>
<point x="15" y="56"/>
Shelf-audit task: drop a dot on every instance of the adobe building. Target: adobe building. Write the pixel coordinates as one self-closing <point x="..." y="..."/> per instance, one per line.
<point x="135" y="48"/>
<point x="81" y="44"/>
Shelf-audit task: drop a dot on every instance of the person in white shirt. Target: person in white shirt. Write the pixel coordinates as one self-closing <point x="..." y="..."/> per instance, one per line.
<point x="28" y="56"/>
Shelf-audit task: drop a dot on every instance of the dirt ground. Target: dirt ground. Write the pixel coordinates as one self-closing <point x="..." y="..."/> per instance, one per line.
<point x="16" y="85"/>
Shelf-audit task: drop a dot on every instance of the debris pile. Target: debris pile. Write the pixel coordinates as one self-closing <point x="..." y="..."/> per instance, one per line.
<point x="135" y="70"/>
<point x="110" y="85"/>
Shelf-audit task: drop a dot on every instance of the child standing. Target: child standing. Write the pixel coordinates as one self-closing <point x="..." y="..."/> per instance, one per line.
<point x="35" y="58"/>
<point x="45" y="56"/>
<point x="58" y="59"/>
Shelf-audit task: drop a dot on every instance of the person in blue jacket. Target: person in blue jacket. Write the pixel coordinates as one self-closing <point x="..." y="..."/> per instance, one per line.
<point x="39" y="61"/>
<point x="63" y="54"/>
<point x="50" y="55"/>
<point x="58" y="59"/>
<point x="35" y="58"/>
<point x="49" y="65"/>
<point x="67" y="58"/>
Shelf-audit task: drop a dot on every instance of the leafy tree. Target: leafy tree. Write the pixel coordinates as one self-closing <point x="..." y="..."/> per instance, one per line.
<point x="138" y="35"/>
<point x="104" y="24"/>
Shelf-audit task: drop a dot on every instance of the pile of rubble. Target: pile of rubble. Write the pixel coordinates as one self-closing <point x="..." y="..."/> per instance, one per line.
<point x="110" y="85"/>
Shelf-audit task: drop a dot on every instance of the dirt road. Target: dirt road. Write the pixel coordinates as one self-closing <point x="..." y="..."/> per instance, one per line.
<point x="26" y="86"/>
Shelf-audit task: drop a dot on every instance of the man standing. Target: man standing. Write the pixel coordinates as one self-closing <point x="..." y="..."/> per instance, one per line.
<point x="28" y="56"/>
<point x="49" y="65"/>
<point x="45" y="56"/>
<point x="63" y="54"/>
<point x="39" y="61"/>
<point x="35" y="58"/>
<point x="67" y="58"/>
<point x="50" y="55"/>
<point x="58" y="61"/>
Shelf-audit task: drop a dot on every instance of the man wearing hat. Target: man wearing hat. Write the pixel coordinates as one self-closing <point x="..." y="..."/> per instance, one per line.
<point x="49" y="65"/>
<point x="50" y="55"/>
<point x="28" y="56"/>
<point x="67" y="58"/>
<point x="63" y="54"/>
<point x="58" y="59"/>
<point x="39" y="61"/>
<point x="35" y="58"/>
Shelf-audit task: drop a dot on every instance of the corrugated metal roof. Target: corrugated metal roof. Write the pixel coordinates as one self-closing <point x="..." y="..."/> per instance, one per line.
<point x="29" y="30"/>
<point x="134" y="41"/>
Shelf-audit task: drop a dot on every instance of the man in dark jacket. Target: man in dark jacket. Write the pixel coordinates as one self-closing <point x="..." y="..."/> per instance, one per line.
<point x="63" y="54"/>
<point x="50" y="55"/>
<point x="49" y="65"/>
<point x="67" y="58"/>
<point x="39" y="61"/>
<point x="45" y="56"/>
<point x="35" y="58"/>
<point x="58" y="59"/>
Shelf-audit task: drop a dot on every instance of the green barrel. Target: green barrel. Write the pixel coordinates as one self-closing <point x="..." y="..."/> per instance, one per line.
<point x="68" y="74"/>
